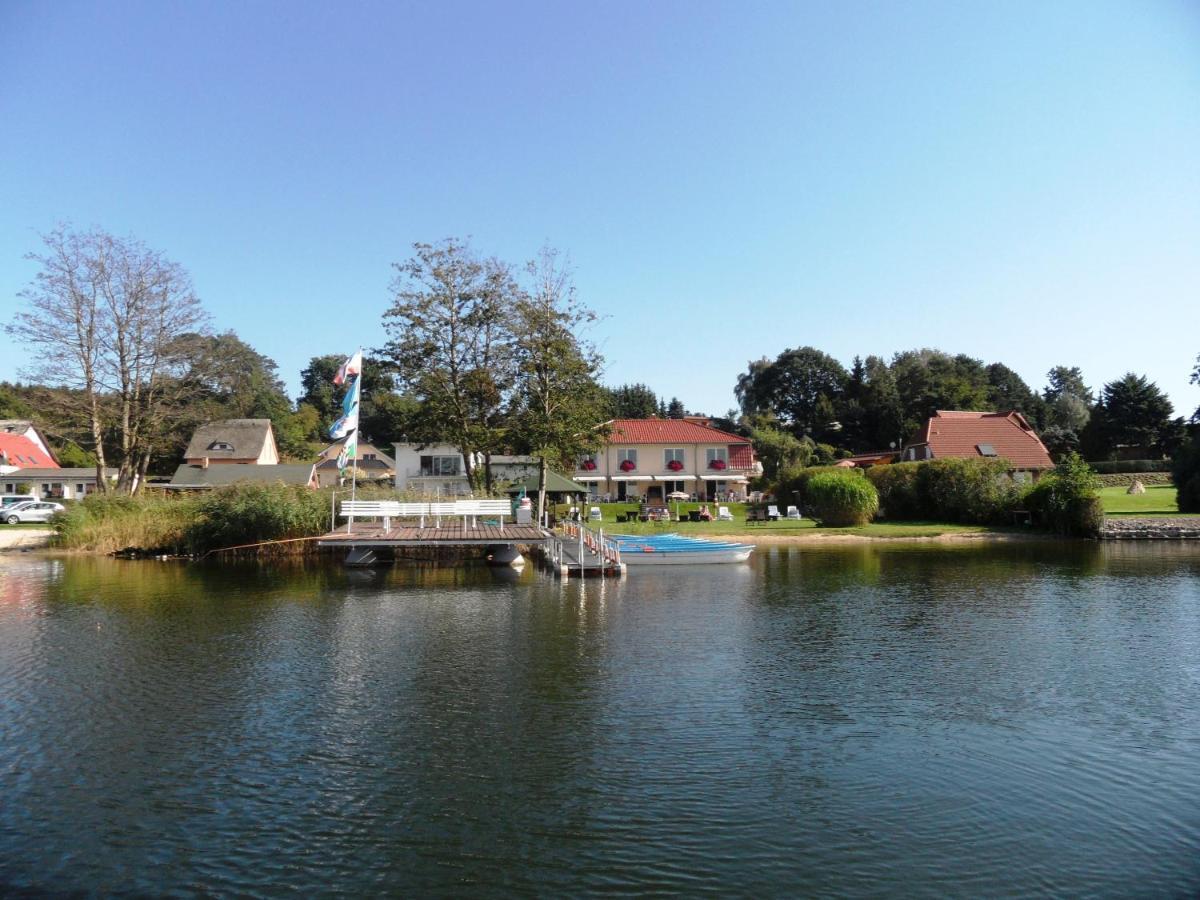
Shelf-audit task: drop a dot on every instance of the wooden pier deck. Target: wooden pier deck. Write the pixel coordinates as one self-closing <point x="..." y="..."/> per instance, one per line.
<point x="368" y="534"/>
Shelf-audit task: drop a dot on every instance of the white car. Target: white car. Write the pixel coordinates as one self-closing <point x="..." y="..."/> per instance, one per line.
<point x="32" y="511"/>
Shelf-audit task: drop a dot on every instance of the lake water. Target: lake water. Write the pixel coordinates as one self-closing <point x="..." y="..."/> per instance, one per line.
<point x="907" y="721"/>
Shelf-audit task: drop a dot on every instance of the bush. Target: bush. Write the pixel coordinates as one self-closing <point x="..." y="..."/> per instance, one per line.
<point x="793" y="484"/>
<point x="1124" y="466"/>
<point x="974" y="491"/>
<point x="1068" y="499"/>
<point x="897" y="487"/>
<point x="1185" y="473"/>
<point x="840" y="501"/>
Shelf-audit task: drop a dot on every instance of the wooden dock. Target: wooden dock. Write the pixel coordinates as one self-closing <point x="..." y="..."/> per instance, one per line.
<point x="364" y="534"/>
<point x="574" y="551"/>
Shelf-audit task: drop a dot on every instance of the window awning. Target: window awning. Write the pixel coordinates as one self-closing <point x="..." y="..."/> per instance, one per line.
<point x="737" y="479"/>
<point x="631" y="477"/>
<point x="586" y="478"/>
<point x="674" y="476"/>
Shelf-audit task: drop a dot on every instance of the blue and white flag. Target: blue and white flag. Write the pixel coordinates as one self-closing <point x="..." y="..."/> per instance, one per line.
<point x="347" y="426"/>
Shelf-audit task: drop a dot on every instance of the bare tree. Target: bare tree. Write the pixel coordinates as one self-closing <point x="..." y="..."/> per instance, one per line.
<point x="104" y="317"/>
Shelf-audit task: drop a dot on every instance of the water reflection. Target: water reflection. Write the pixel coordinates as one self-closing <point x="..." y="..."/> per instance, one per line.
<point x="1012" y="719"/>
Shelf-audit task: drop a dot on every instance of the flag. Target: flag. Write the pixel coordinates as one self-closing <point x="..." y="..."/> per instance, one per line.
<point x="350" y="368"/>
<point x="349" y="419"/>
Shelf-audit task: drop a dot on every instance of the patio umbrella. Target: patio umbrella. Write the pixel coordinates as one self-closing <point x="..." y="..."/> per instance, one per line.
<point x="677" y="496"/>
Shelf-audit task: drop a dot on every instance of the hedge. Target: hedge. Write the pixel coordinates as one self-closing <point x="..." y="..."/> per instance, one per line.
<point x="1067" y="500"/>
<point x="1125" y="466"/>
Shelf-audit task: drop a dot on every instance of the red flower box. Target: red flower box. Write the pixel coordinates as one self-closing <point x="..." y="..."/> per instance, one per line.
<point x="627" y="465"/>
<point x="588" y="465"/>
<point x="674" y="465"/>
<point x="718" y="464"/>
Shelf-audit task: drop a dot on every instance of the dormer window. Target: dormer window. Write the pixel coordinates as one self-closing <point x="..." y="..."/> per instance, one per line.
<point x="220" y="445"/>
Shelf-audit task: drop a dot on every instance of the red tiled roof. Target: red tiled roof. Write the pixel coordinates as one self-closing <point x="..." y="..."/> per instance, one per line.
<point x="958" y="434"/>
<point x="23" y="453"/>
<point x="669" y="431"/>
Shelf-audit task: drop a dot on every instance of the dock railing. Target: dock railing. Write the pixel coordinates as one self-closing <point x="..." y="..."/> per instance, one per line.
<point x="606" y="548"/>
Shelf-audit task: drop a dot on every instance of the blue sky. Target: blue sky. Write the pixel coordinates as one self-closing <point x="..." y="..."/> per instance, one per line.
<point x="1016" y="181"/>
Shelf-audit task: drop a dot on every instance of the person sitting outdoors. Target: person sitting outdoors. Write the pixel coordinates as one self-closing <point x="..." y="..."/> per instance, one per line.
<point x="705" y="515"/>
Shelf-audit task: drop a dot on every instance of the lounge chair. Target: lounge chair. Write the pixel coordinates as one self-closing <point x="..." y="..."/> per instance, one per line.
<point x="773" y="513"/>
<point x="723" y="514"/>
<point x="594" y="514"/>
<point x="793" y="513"/>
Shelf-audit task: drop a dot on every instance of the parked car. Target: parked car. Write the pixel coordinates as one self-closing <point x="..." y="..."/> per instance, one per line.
<point x="13" y="499"/>
<point x="32" y="511"/>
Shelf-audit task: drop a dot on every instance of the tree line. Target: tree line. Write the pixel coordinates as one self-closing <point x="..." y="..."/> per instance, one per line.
<point x="484" y="355"/>
<point x="478" y="353"/>
<point x="805" y="399"/>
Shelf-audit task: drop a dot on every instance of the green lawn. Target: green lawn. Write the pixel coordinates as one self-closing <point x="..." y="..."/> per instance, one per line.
<point x="739" y="525"/>
<point x="1159" y="500"/>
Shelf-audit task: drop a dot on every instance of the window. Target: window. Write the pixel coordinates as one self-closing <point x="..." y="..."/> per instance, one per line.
<point x="986" y="449"/>
<point x="672" y="486"/>
<point x="674" y="454"/>
<point x="626" y="453"/>
<point x="80" y="489"/>
<point x="368" y="456"/>
<point x="714" y="453"/>
<point x="220" y="445"/>
<point x="444" y="466"/>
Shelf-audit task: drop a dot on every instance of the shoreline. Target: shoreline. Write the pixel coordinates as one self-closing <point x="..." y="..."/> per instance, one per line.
<point x="947" y="538"/>
<point x="25" y="538"/>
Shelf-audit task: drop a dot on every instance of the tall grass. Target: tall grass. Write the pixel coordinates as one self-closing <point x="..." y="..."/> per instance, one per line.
<point x="193" y="523"/>
<point x="107" y="524"/>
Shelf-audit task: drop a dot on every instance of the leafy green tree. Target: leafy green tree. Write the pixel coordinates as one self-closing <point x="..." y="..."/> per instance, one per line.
<point x="1185" y="473"/>
<point x="1008" y="391"/>
<point x="633" y="401"/>
<point x="802" y="387"/>
<point x="557" y="401"/>
<point x="451" y="346"/>
<point x="929" y="380"/>
<point x="779" y="450"/>
<point x="746" y="389"/>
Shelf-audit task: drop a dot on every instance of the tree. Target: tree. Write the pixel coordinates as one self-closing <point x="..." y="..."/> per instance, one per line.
<point x="105" y="316"/>
<point x="676" y="409"/>
<point x="802" y="387"/>
<point x="451" y="346"/>
<point x="1195" y="379"/>
<point x="1064" y="380"/>
<point x="779" y="450"/>
<point x="929" y="380"/>
<point x="746" y="389"/>
<point x="1008" y="391"/>
<point x="1132" y="412"/>
<point x="557" y="400"/>
<point x="633" y="401"/>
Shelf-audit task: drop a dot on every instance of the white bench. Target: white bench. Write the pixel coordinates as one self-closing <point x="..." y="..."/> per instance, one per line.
<point x="389" y="509"/>
<point x="371" y="509"/>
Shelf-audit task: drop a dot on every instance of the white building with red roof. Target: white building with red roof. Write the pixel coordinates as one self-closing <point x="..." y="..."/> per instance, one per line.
<point x="652" y="458"/>
<point x="958" y="434"/>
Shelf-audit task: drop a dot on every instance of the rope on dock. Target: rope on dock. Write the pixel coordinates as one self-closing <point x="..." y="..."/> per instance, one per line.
<point x="260" y="544"/>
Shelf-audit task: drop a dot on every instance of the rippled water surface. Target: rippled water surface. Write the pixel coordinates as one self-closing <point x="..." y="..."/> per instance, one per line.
<point x="1009" y="720"/>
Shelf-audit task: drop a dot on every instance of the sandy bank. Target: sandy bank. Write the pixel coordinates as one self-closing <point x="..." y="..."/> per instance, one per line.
<point x="24" y="538"/>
